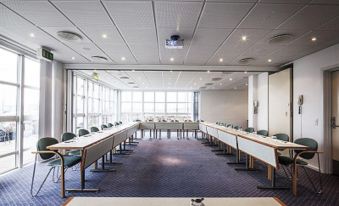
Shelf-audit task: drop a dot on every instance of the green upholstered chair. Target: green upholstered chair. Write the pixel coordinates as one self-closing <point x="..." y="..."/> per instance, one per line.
<point x="52" y="159"/>
<point x="300" y="159"/>
<point x="116" y="123"/>
<point x="83" y="132"/>
<point x="229" y="125"/>
<point x="282" y="136"/>
<point x="67" y="136"/>
<point x="263" y="133"/>
<point x="103" y="126"/>
<point x="236" y="127"/>
<point x="249" y="129"/>
<point x="109" y="125"/>
<point x="94" y="129"/>
<point x="120" y="122"/>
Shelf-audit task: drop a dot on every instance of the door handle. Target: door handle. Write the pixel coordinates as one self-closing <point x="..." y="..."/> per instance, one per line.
<point x="333" y="123"/>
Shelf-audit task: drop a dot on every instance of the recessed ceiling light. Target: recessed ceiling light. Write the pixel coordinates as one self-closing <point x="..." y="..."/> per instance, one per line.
<point x="314" y="39"/>
<point x="131" y="82"/>
<point x="235" y="88"/>
<point x="220" y="84"/>
<point x="244" y="37"/>
<point x="32" y="35"/>
<point x="133" y="70"/>
<point x="143" y="83"/>
<point x="269" y="60"/>
<point x="104" y="36"/>
<point x="208" y="71"/>
<point x="171" y="59"/>
<point x="124" y="77"/>
<point x="246" y="84"/>
<point x="171" y="71"/>
<point x="73" y="58"/>
<point x="245" y="72"/>
<point x="221" y="60"/>
<point x="230" y="79"/>
<point x="200" y="78"/>
<point x="123" y="58"/>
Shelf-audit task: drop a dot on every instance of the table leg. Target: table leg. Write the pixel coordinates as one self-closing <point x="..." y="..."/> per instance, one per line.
<point x="273" y="183"/>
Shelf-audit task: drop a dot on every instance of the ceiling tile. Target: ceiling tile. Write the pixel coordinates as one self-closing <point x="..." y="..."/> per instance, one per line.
<point x="223" y="15"/>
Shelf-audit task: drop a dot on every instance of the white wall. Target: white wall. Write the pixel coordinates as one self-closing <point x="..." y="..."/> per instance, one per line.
<point x="258" y="90"/>
<point x="224" y="105"/>
<point x="308" y="80"/>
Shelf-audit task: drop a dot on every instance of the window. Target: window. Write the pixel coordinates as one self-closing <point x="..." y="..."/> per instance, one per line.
<point x="10" y="116"/>
<point x="155" y="104"/>
<point x="93" y="103"/>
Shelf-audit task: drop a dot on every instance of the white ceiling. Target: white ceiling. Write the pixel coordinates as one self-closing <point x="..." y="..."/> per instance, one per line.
<point x="137" y="30"/>
<point x="172" y="80"/>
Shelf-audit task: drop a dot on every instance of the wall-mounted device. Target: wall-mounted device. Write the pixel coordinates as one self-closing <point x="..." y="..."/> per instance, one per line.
<point x="45" y="54"/>
<point x="300" y="103"/>
<point x="175" y="42"/>
<point x="255" y="107"/>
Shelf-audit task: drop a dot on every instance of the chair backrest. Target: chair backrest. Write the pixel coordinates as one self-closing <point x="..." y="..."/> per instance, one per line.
<point x="311" y="145"/>
<point x="236" y="127"/>
<point x="249" y="129"/>
<point x="110" y="125"/>
<point x="103" y="126"/>
<point x="282" y="136"/>
<point x="263" y="133"/>
<point x="116" y="123"/>
<point x="120" y="122"/>
<point x="83" y="132"/>
<point x="94" y="129"/>
<point x="42" y="145"/>
<point x="67" y="136"/>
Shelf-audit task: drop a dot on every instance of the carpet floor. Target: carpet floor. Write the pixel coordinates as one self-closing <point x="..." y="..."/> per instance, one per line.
<point x="167" y="168"/>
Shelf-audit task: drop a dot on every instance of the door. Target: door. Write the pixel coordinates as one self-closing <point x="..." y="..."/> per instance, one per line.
<point x="279" y="101"/>
<point x="335" y="122"/>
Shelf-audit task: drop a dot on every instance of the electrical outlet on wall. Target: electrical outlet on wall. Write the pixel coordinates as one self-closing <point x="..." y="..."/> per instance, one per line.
<point x="316" y="122"/>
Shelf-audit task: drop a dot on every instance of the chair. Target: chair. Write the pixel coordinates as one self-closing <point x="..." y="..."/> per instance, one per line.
<point x="109" y="125"/>
<point x="53" y="159"/>
<point x="236" y="127"/>
<point x="116" y="123"/>
<point x="282" y="136"/>
<point x="94" y="129"/>
<point x="312" y="147"/>
<point x="249" y="129"/>
<point x="83" y="132"/>
<point x="103" y="126"/>
<point x="263" y="133"/>
<point x="120" y="122"/>
<point x="67" y="136"/>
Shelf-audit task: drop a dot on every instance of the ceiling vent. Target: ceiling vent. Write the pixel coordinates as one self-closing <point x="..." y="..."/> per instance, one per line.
<point x="131" y="83"/>
<point x="209" y="84"/>
<point x="224" y="72"/>
<point x="202" y="88"/>
<point x="280" y="38"/>
<point x="136" y="87"/>
<point x="246" y="60"/>
<point x="216" y="79"/>
<point x="99" y="58"/>
<point x="70" y="36"/>
<point x="124" y="77"/>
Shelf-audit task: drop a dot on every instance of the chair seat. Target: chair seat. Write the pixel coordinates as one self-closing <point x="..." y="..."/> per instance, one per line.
<point x="284" y="160"/>
<point x="74" y="152"/>
<point x="69" y="161"/>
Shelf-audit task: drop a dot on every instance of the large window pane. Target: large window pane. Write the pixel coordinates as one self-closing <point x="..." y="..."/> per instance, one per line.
<point x="160" y="96"/>
<point x="182" y="108"/>
<point x="171" y="96"/>
<point x="171" y="107"/>
<point x="149" y="96"/>
<point x="126" y="107"/>
<point x="137" y="96"/>
<point x="126" y="96"/>
<point x="31" y="134"/>
<point x="137" y="107"/>
<point x="8" y="144"/>
<point x="148" y="107"/>
<point x="182" y="97"/>
<point x="8" y="102"/>
<point x="8" y="66"/>
<point x="32" y="73"/>
<point x="159" y="107"/>
<point x="31" y="102"/>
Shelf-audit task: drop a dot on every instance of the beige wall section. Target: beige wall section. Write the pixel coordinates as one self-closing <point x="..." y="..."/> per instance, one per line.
<point x="280" y="102"/>
<point x="224" y="105"/>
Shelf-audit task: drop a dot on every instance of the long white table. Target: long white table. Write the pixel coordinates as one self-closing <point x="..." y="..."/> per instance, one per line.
<point x="262" y="148"/>
<point x="93" y="146"/>
<point x="180" y="127"/>
<point x="151" y="201"/>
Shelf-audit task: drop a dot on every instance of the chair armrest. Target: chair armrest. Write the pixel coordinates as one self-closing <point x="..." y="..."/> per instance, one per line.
<point x="50" y="152"/>
<point x="302" y="152"/>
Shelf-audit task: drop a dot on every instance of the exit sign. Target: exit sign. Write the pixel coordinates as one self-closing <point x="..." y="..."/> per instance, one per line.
<point x="45" y="54"/>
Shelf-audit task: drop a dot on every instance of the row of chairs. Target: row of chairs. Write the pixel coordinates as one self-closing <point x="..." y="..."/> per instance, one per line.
<point x="54" y="159"/>
<point x="299" y="157"/>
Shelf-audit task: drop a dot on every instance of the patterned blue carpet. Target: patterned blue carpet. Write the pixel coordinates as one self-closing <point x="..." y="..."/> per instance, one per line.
<point x="166" y="168"/>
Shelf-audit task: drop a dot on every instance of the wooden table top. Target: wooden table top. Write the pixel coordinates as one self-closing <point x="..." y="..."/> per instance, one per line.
<point x="82" y="142"/>
<point x="268" y="141"/>
<point x="150" y="201"/>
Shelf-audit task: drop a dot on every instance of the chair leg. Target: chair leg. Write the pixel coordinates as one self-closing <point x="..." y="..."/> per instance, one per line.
<point x="309" y="179"/>
<point x="33" y="177"/>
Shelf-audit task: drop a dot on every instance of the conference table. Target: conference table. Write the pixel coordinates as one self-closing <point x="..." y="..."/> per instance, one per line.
<point x="180" y="127"/>
<point x="93" y="147"/>
<point x="171" y="201"/>
<point x="265" y="149"/>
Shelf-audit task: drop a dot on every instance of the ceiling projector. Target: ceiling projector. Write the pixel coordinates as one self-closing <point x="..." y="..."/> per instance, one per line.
<point x="174" y="42"/>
